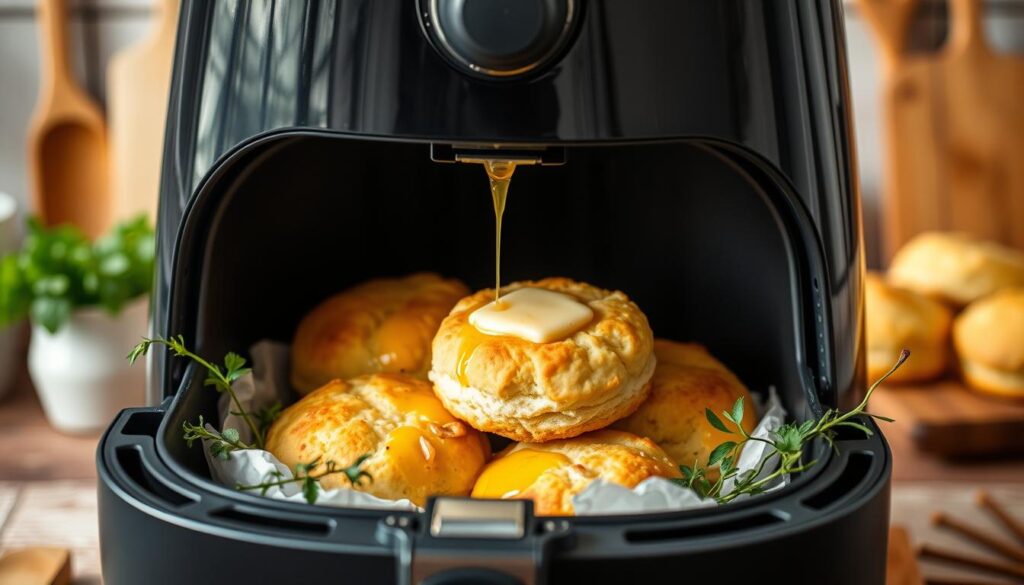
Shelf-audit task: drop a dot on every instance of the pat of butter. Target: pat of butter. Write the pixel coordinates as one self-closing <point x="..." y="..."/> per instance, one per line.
<point x="533" y="314"/>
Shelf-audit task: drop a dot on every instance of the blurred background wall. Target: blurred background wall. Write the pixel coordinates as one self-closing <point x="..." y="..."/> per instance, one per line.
<point x="99" y="28"/>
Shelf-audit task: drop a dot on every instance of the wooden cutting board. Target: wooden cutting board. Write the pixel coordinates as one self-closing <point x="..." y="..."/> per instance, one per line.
<point x="138" y="84"/>
<point x="954" y="129"/>
<point x="947" y="419"/>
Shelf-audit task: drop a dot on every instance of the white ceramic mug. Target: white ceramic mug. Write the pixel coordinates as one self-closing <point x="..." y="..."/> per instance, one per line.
<point x="9" y="338"/>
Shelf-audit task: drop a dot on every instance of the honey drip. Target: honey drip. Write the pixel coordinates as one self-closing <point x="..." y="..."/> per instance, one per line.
<point x="499" y="172"/>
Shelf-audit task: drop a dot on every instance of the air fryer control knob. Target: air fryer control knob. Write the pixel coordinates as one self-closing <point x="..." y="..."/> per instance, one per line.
<point x="499" y="38"/>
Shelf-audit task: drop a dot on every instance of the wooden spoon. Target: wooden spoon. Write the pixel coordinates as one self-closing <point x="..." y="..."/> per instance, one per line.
<point x="67" y="144"/>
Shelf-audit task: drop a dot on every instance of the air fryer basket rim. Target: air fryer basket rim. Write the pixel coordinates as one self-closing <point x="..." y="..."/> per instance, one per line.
<point x="788" y="507"/>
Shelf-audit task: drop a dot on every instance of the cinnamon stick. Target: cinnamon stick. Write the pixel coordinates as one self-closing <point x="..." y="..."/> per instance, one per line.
<point x="1005" y="548"/>
<point x="986" y="501"/>
<point x="1015" y="570"/>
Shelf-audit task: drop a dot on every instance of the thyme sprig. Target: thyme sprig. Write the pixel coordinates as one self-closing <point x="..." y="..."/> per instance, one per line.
<point x="306" y="474"/>
<point x="221" y="444"/>
<point x="220" y="379"/>
<point x="786" y="446"/>
<point x="225" y="442"/>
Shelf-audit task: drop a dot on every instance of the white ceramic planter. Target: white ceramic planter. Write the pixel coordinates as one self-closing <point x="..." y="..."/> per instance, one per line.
<point x="81" y="374"/>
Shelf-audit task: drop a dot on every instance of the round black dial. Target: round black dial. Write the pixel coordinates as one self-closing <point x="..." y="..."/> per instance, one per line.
<point x="499" y="38"/>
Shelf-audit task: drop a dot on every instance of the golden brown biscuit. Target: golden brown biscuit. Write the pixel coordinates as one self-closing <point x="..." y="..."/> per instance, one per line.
<point x="989" y="338"/>
<point x="955" y="268"/>
<point x="687" y="380"/>
<point x="415" y="447"/>
<point x="530" y="391"/>
<point x="552" y="473"/>
<point x="380" y="326"/>
<point x="896" y="319"/>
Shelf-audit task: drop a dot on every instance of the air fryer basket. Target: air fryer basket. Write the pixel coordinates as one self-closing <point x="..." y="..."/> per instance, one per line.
<point x="710" y="244"/>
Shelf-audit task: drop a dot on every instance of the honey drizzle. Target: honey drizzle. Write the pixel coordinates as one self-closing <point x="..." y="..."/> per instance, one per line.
<point x="499" y="173"/>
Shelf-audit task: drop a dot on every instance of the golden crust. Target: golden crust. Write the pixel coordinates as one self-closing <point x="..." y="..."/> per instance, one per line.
<point x="544" y="391"/>
<point x="898" y="318"/>
<point x="380" y="326"/>
<point x="614" y="456"/>
<point x="989" y="338"/>
<point x="688" y="379"/>
<point x="415" y="447"/>
<point x="955" y="268"/>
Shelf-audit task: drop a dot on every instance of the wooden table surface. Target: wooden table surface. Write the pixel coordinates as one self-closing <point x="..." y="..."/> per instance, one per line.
<point x="48" y="488"/>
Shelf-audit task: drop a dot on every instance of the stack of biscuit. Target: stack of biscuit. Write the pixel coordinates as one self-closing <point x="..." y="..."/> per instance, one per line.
<point x="946" y="290"/>
<point x="604" y="401"/>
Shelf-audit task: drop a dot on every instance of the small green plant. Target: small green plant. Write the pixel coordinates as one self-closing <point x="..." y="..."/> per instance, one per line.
<point x="58" y="270"/>
<point x="786" y="446"/>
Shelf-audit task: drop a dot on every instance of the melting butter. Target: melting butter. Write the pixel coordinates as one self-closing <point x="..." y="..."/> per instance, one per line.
<point x="509" y="476"/>
<point x="534" y="314"/>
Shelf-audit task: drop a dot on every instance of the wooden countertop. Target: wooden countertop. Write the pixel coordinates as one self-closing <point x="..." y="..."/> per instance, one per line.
<point x="48" y="490"/>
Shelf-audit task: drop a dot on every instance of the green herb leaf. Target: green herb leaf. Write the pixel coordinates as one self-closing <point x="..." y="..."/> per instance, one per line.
<point x="715" y="421"/>
<point x="737" y="411"/>
<point x="720" y="452"/>
<point x="230" y="435"/>
<point x="310" y="489"/>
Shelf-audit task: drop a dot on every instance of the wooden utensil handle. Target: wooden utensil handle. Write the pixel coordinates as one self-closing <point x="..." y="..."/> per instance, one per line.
<point x="890" y="19"/>
<point x="967" y="26"/>
<point x="53" y="29"/>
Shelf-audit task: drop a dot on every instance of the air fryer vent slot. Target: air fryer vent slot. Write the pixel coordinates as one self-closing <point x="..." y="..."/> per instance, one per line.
<point x="130" y="460"/>
<point x="745" y="523"/>
<point x="143" y="423"/>
<point x="857" y="467"/>
<point x="850" y="433"/>
<point x="271" y="523"/>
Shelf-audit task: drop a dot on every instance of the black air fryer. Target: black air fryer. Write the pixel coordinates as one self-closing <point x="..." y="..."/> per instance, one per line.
<point x="696" y="154"/>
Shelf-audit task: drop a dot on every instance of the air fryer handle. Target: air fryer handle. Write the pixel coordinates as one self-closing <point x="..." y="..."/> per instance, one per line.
<point x="490" y="542"/>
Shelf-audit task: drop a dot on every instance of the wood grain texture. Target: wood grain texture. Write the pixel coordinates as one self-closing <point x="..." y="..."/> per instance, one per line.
<point x="138" y="86"/>
<point x="902" y="567"/>
<point x="67" y="138"/>
<point x="8" y="496"/>
<point x="954" y="129"/>
<point x="31" y="449"/>
<point x="913" y="505"/>
<point x="57" y="514"/>
<point x="946" y="418"/>
<point x="36" y="566"/>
